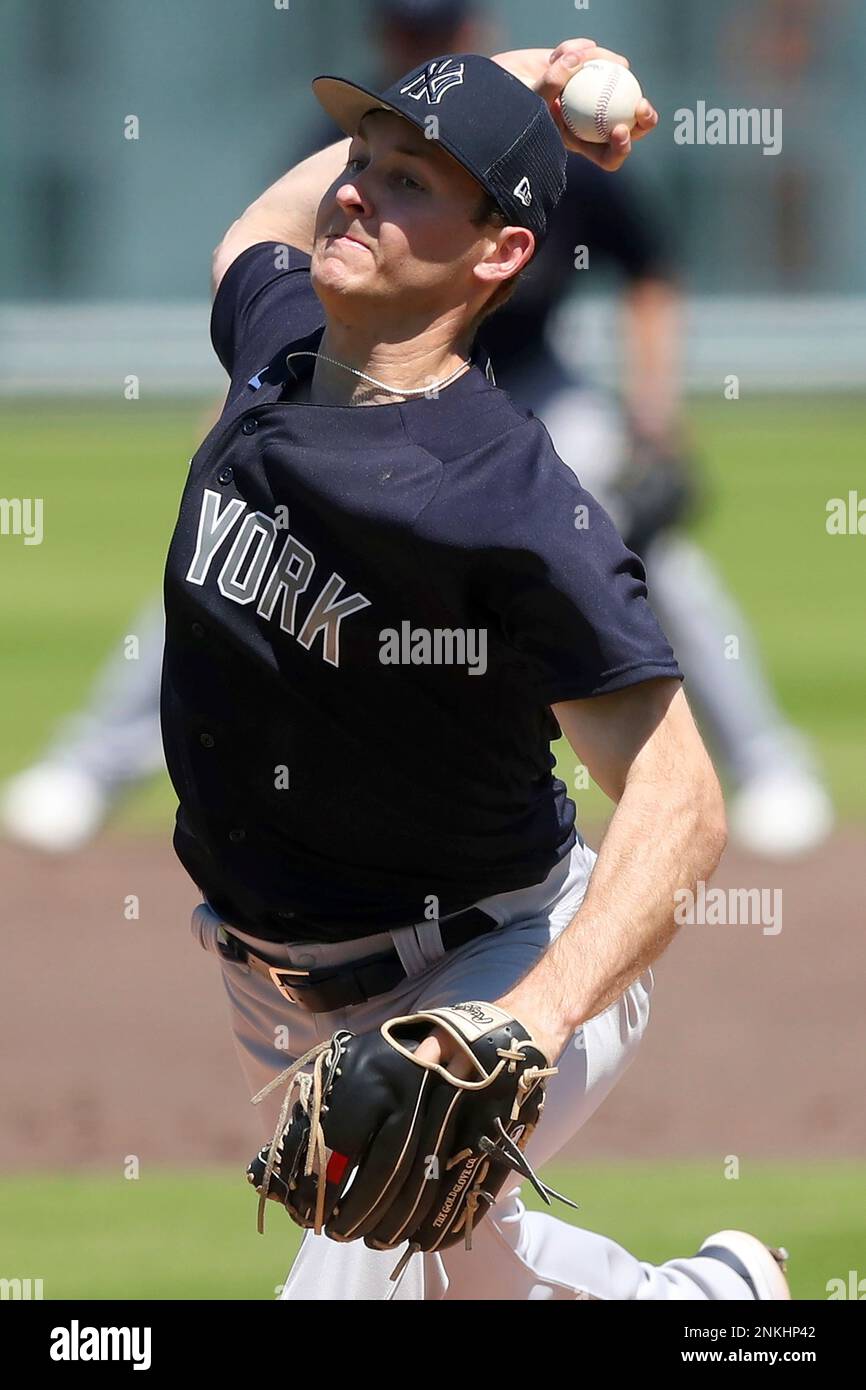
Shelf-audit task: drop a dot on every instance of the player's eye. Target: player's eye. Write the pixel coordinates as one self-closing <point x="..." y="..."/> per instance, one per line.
<point x="357" y="163"/>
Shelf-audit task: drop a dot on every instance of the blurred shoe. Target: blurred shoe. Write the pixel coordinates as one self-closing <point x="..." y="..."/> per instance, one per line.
<point x="780" y="814"/>
<point x="761" y="1266"/>
<point x="52" y="808"/>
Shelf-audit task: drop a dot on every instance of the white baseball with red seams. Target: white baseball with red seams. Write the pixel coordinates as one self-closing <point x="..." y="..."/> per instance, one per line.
<point x="601" y="95"/>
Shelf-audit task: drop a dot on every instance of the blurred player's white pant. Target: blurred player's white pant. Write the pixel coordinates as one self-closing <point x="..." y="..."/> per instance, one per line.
<point x="115" y="737"/>
<point x="516" y="1254"/>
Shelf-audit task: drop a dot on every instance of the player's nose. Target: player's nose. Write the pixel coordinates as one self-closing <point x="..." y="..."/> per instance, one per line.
<point x="353" y="196"/>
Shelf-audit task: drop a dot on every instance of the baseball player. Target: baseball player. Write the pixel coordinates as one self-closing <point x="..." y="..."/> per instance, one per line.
<point x="377" y="551"/>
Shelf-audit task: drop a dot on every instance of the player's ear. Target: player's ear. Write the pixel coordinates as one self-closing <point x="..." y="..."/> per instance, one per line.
<point x="513" y="247"/>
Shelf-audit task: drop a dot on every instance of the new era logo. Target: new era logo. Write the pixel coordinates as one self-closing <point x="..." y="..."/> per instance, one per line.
<point x="436" y="79"/>
<point x="524" y="192"/>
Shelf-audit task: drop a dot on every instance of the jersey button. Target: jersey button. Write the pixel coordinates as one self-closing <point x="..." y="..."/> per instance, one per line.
<point x="225" y="475"/>
<point x="237" y="835"/>
<point x="197" y="629"/>
<point x="249" y="426"/>
<point x="206" y="740"/>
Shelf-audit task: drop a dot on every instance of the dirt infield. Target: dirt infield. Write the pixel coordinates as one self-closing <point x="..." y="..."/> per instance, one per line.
<point x="114" y="1036"/>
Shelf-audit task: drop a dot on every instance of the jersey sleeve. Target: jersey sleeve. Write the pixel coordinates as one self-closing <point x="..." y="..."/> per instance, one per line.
<point x="572" y="599"/>
<point x="265" y="299"/>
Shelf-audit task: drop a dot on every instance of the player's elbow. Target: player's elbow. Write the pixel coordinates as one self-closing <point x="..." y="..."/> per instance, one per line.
<point x="219" y="263"/>
<point x="239" y="236"/>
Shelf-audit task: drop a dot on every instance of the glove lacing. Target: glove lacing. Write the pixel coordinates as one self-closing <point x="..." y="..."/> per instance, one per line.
<point x="310" y="1088"/>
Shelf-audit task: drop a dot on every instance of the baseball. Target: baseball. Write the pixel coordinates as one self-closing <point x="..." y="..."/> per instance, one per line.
<point x="600" y="96"/>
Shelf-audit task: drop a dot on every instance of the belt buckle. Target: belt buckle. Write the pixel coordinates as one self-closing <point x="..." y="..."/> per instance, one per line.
<point x="275" y="971"/>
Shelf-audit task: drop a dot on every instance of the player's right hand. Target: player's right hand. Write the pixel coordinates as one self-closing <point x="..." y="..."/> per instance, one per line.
<point x="549" y="72"/>
<point x="561" y="68"/>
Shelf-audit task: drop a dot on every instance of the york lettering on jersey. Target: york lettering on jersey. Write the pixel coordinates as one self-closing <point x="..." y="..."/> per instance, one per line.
<point x="249" y="573"/>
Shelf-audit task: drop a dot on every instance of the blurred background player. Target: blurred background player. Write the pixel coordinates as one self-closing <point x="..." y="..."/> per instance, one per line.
<point x="633" y="455"/>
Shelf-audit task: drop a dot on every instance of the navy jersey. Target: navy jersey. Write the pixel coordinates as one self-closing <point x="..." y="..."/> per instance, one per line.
<point x="369" y="611"/>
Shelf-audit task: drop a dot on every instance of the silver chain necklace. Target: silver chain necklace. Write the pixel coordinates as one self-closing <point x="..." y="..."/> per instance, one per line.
<point x="383" y="385"/>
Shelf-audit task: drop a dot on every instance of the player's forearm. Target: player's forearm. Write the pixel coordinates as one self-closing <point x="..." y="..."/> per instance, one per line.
<point x="286" y="211"/>
<point x="652" y="336"/>
<point x="662" y="838"/>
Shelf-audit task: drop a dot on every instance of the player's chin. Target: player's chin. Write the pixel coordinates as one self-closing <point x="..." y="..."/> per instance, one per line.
<point x="331" y="278"/>
<point x="341" y="259"/>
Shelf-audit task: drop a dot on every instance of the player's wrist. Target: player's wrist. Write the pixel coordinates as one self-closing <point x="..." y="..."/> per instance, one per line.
<point x="522" y="63"/>
<point x="550" y="1031"/>
<point x="538" y="67"/>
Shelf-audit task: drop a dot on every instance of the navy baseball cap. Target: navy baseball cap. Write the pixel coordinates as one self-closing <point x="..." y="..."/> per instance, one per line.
<point x="499" y="129"/>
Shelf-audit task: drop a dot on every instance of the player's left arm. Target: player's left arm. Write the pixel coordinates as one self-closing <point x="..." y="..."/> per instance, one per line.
<point x="642" y="748"/>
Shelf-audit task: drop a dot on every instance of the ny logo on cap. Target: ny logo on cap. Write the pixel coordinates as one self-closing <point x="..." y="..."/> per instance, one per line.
<point x="524" y="192"/>
<point x="434" y="81"/>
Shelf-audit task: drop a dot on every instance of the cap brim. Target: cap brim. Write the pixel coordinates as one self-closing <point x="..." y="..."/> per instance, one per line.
<point x="346" y="102"/>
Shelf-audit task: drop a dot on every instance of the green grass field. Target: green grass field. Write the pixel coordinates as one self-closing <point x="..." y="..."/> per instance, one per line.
<point x="158" y="1237"/>
<point x="111" y="476"/>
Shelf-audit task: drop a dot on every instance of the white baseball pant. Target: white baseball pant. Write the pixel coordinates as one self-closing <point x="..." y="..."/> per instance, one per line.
<point x="516" y="1254"/>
